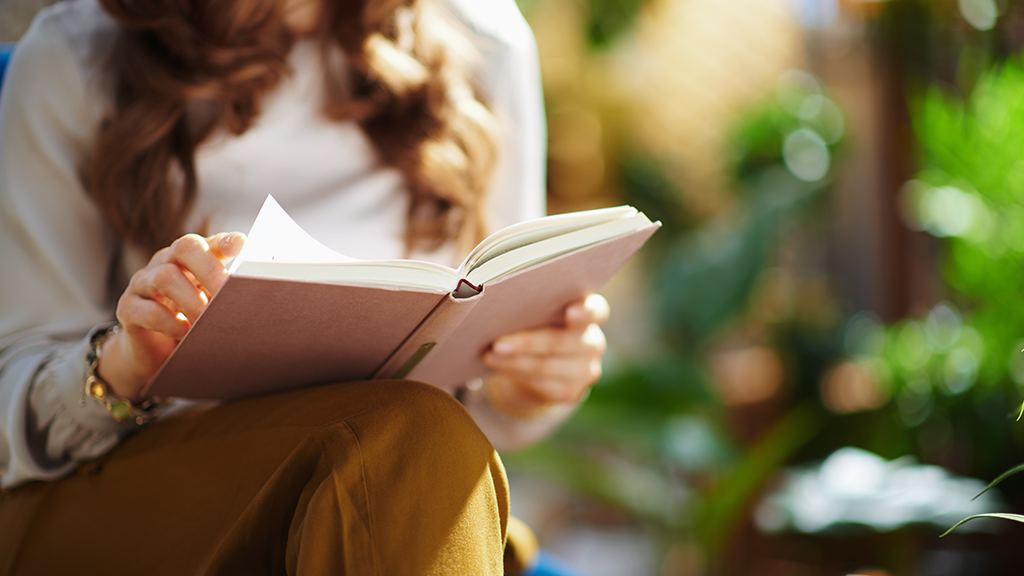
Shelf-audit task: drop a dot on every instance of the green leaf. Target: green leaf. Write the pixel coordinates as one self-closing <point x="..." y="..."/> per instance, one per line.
<point x="609" y="19"/>
<point x="1014" y="517"/>
<point x="1001" y="477"/>
<point x="728" y="499"/>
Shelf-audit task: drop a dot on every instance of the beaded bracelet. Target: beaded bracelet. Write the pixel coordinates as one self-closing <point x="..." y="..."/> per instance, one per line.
<point x="94" y="387"/>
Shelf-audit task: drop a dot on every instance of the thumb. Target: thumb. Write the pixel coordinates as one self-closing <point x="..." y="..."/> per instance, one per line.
<point x="226" y="244"/>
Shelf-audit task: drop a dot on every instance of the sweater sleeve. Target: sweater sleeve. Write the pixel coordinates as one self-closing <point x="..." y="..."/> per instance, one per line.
<point x="60" y="430"/>
<point x="508" y="433"/>
<point x="58" y="257"/>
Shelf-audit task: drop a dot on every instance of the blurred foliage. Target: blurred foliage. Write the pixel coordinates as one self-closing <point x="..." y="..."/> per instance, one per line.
<point x="705" y="278"/>
<point x="961" y="365"/>
<point x="801" y="113"/>
<point x="610" y="18"/>
<point x="655" y="437"/>
<point x="950" y="42"/>
<point x="660" y="439"/>
<point x="653" y="192"/>
<point x="729" y="498"/>
<point x="606" y="21"/>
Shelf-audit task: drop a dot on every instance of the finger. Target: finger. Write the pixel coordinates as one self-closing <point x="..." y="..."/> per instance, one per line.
<point x="170" y="282"/>
<point x="593" y="309"/>
<point x="552" y="341"/>
<point x="222" y="245"/>
<point x="541" y="390"/>
<point x="511" y="392"/>
<point x="193" y="253"/>
<point x="167" y="303"/>
<point x="133" y="311"/>
<point x="573" y="370"/>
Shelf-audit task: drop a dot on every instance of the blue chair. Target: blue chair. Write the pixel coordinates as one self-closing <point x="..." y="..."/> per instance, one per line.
<point x="550" y="565"/>
<point x="6" y="49"/>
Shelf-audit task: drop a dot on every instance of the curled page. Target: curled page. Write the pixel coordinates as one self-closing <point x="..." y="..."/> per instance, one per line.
<point x="275" y="237"/>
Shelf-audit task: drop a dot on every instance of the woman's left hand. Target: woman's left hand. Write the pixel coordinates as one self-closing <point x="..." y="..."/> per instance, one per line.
<point x="556" y="364"/>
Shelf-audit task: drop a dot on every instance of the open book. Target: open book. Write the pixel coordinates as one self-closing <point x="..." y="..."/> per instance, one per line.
<point x="295" y="313"/>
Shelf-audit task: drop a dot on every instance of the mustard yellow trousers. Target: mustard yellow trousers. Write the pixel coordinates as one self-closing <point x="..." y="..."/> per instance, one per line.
<point x="381" y="477"/>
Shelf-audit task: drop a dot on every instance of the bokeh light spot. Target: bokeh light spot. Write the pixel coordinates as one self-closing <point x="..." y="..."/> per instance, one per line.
<point x="981" y="14"/>
<point x="911" y="347"/>
<point x="806" y="155"/>
<point x="943" y="326"/>
<point x="852" y="387"/>
<point x="748" y="375"/>
<point x="961" y="371"/>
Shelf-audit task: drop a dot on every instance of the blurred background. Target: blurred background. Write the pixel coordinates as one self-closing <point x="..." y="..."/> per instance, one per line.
<point x="817" y="363"/>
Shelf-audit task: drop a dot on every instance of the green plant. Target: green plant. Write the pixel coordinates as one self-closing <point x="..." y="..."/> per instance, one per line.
<point x="960" y="366"/>
<point x="993" y="484"/>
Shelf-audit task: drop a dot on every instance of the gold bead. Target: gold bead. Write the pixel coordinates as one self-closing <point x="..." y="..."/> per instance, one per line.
<point x="97" y="390"/>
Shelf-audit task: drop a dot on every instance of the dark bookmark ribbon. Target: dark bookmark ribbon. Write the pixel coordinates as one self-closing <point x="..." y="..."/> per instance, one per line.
<point x="414" y="360"/>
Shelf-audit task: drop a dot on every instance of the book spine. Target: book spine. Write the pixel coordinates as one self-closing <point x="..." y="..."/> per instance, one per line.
<point x="442" y="321"/>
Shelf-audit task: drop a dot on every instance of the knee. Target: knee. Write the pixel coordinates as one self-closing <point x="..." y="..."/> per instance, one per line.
<point x="420" y="419"/>
<point x="400" y="428"/>
<point x="410" y="465"/>
<point x="422" y="436"/>
<point x="424" y="455"/>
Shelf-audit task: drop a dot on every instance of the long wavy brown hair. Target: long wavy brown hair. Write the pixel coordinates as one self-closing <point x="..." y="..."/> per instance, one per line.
<point x="187" y="67"/>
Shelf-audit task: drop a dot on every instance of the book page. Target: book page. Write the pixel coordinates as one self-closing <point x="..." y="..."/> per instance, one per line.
<point x="275" y="237"/>
<point x="524" y="233"/>
<point x="550" y="248"/>
<point x="410" y="274"/>
<point x="278" y="248"/>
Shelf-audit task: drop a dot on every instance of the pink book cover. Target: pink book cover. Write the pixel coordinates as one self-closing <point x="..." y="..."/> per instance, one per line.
<point x="531" y="298"/>
<point x="263" y="335"/>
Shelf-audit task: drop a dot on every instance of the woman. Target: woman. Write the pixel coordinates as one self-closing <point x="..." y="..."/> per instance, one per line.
<point x="126" y="124"/>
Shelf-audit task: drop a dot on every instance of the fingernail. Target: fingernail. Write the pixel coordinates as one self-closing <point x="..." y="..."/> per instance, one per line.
<point x="504" y="347"/>
<point x="232" y="241"/>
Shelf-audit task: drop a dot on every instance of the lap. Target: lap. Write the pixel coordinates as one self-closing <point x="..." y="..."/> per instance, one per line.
<point x="336" y="478"/>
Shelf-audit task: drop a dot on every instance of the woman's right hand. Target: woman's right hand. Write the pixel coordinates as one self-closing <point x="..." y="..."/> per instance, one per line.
<point x="161" y="302"/>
